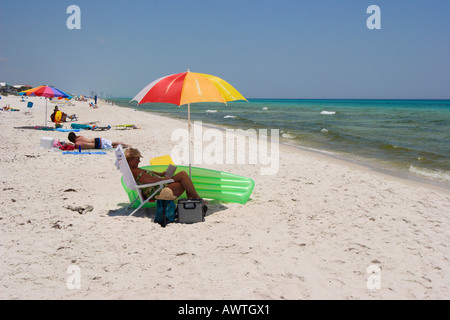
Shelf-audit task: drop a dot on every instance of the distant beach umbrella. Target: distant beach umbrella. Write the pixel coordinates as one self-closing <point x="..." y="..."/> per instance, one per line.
<point x="47" y="92"/>
<point x="186" y="88"/>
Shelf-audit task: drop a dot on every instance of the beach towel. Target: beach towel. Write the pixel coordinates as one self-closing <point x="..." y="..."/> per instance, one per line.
<point x="81" y="126"/>
<point x="67" y="130"/>
<point x="97" y="128"/>
<point x="80" y="153"/>
<point x="44" y="128"/>
<point x="67" y="147"/>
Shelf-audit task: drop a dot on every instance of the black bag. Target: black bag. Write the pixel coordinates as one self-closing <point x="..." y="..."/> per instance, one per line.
<point x="191" y="210"/>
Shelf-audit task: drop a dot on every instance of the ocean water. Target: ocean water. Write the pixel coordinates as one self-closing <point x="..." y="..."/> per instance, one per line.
<point x="408" y="137"/>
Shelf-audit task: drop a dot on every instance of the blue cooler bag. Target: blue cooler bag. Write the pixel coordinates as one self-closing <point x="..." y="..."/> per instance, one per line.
<point x="165" y="212"/>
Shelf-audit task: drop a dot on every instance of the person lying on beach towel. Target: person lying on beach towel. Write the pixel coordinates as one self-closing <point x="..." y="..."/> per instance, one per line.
<point x="95" y="143"/>
<point x="182" y="181"/>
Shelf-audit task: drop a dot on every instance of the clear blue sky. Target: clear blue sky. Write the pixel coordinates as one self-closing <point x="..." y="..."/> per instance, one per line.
<point x="266" y="49"/>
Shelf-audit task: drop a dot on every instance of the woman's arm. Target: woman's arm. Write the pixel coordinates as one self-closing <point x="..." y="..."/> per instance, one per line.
<point x="144" y="177"/>
<point x="161" y="174"/>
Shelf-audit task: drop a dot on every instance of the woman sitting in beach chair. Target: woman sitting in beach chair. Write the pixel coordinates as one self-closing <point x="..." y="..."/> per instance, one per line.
<point x="182" y="182"/>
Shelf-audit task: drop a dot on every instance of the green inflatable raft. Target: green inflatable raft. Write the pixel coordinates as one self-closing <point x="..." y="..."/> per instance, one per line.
<point x="210" y="184"/>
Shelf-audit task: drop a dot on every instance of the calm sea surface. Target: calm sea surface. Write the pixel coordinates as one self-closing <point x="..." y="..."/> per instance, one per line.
<point x="411" y="137"/>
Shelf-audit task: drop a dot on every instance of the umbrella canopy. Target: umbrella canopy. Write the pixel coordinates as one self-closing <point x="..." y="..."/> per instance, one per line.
<point x="47" y="92"/>
<point x="186" y="88"/>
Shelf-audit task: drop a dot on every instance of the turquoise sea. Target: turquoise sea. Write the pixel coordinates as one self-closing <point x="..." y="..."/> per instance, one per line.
<point x="410" y="138"/>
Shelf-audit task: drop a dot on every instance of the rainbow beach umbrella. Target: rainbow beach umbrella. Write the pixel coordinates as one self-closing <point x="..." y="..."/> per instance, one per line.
<point x="47" y="92"/>
<point x="186" y="88"/>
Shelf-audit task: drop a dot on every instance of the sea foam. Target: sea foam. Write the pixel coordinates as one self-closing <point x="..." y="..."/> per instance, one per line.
<point x="287" y="135"/>
<point x="328" y="112"/>
<point x="433" y="174"/>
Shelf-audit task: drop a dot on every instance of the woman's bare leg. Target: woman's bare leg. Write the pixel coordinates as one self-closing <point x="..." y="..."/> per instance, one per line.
<point x="183" y="183"/>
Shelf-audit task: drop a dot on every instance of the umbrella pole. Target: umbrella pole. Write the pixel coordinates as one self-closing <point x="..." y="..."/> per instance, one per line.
<point x="189" y="129"/>
<point x="46" y="112"/>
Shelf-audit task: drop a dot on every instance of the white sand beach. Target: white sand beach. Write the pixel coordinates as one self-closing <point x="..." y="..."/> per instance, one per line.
<point x="315" y="230"/>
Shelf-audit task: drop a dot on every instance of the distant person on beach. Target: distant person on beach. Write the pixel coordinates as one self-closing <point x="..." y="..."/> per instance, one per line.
<point x="182" y="181"/>
<point x="95" y="98"/>
<point x="94" y="143"/>
<point x="58" y="116"/>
